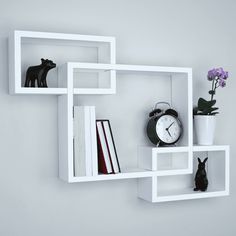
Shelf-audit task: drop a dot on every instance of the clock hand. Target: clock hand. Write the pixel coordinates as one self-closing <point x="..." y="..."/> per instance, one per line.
<point x="168" y="132"/>
<point x="170" y="125"/>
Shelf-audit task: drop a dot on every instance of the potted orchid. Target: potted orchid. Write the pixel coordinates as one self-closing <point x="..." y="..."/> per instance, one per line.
<point x="204" y="113"/>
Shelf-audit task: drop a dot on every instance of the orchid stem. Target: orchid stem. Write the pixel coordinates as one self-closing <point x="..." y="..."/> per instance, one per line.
<point x="212" y="89"/>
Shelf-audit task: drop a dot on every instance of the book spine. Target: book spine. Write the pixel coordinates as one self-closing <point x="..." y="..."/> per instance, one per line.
<point x="74" y="133"/>
<point x="93" y="140"/>
<point x="108" y="149"/>
<point x="88" y="143"/>
<point x="101" y="160"/>
<point x="104" y="162"/>
<point x="114" y="146"/>
<point x="79" y="142"/>
<point x="84" y="140"/>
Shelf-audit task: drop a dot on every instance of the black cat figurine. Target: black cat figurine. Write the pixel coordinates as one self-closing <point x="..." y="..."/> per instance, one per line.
<point x="39" y="73"/>
<point x="201" y="181"/>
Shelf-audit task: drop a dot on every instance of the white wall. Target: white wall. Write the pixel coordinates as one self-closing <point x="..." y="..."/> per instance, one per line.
<point x="33" y="201"/>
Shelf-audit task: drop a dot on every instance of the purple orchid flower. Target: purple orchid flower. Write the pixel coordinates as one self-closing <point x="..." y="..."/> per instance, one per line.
<point x="218" y="77"/>
<point x="217" y="73"/>
<point x="222" y="83"/>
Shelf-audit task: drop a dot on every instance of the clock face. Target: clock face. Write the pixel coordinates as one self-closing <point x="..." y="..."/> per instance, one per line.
<point x="168" y="129"/>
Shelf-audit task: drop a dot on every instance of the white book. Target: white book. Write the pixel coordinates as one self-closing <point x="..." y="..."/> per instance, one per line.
<point x="93" y="140"/>
<point x="79" y="163"/>
<point x="82" y="141"/>
<point x="111" y="147"/>
<point x="87" y="135"/>
<point x="104" y="147"/>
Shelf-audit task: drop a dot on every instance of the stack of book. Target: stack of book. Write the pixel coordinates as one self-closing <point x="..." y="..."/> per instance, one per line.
<point x="94" y="147"/>
<point x="85" y="141"/>
<point x="107" y="156"/>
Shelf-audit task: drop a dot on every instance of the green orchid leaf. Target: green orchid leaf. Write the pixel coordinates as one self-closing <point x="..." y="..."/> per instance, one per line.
<point x="195" y="111"/>
<point x="204" y="105"/>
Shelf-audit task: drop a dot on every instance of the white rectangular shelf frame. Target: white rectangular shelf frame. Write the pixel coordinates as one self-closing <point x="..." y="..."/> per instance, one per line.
<point x="15" y="52"/>
<point x="116" y="68"/>
<point x="148" y="159"/>
<point x="148" y="188"/>
<point x="65" y="103"/>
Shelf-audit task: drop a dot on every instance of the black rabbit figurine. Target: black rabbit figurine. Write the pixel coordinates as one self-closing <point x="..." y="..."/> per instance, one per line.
<point x="201" y="181"/>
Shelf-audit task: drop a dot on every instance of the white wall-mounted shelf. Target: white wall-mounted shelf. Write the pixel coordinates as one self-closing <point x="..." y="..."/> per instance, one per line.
<point x="166" y="160"/>
<point x="180" y="187"/>
<point x="127" y="68"/>
<point x="22" y="43"/>
<point x="163" y="173"/>
<point x="180" y="78"/>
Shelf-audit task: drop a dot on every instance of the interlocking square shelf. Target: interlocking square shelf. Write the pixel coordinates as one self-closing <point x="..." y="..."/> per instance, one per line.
<point x="60" y="48"/>
<point x="163" y="173"/>
<point x="66" y="102"/>
<point x="180" y="186"/>
<point x="166" y="160"/>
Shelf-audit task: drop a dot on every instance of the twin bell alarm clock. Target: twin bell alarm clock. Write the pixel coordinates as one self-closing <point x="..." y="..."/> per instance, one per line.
<point x="164" y="127"/>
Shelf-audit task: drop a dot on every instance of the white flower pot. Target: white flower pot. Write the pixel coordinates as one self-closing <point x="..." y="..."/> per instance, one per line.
<point x="205" y="129"/>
